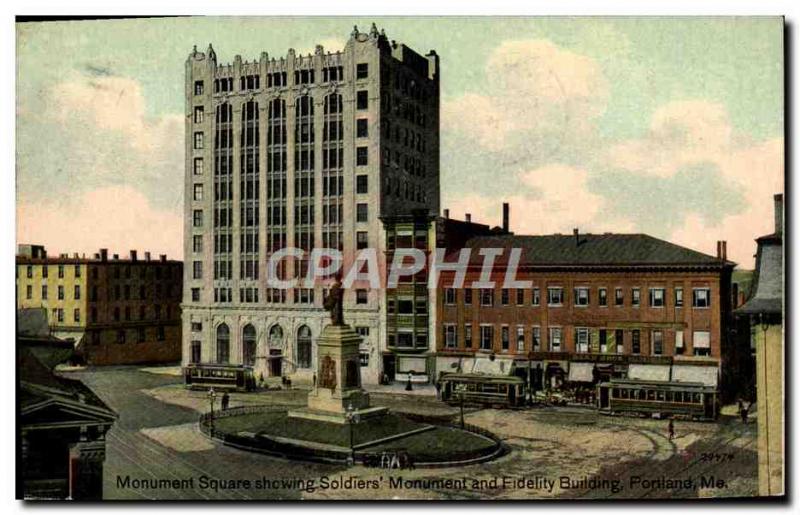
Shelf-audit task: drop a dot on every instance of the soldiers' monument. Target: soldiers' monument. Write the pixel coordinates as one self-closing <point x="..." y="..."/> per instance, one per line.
<point x="337" y="390"/>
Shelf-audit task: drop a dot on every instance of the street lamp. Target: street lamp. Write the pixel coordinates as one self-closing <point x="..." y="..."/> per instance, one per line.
<point x="352" y="417"/>
<point x="211" y="396"/>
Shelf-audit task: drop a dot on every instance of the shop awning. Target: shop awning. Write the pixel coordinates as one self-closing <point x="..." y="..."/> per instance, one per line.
<point x="695" y="374"/>
<point x="648" y="372"/>
<point x="581" y="372"/>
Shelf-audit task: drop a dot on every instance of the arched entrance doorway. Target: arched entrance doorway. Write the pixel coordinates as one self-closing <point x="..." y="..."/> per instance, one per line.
<point x="303" y="356"/>
<point x="249" y="345"/>
<point x="223" y="343"/>
<point x="275" y="350"/>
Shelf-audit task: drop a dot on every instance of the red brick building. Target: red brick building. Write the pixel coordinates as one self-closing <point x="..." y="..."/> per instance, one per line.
<point x="596" y="306"/>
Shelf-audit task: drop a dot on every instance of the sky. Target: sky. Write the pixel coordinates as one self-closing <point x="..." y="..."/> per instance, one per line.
<point x="667" y="126"/>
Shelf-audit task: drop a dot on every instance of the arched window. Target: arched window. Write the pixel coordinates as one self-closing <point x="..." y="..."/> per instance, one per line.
<point x="249" y="345"/>
<point x="304" y="347"/>
<point x="275" y="337"/>
<point x="223" y="343"/>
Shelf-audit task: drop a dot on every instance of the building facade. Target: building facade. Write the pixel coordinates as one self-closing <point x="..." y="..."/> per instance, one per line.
<point x="588" y="307"/>
<point x="303" y="152"/>
<point x="116" y="311"/>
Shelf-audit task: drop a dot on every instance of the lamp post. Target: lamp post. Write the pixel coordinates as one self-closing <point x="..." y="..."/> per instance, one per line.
<point x="460" y="389"/>
<point x="352" y="418"/>
<point x="211" y="396"/>
<point x="530" y="378"/>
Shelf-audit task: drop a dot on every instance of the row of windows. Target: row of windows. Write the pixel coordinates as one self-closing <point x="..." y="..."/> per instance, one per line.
<point x="127" y="313"/>
<point x="404" y="189"/>
<point x="76" y="292"/>
<point x="61" y="270"/>
<point x="608" y="341"/>
<point x="121" y="335"/>
<point x="701" y="297"/>
<point x="115" y="293"/>
<point x="274" y="295"/>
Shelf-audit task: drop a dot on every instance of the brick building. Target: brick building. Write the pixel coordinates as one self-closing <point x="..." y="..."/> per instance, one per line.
<point x="115" y="311"/>
<point x="596" y="306"/>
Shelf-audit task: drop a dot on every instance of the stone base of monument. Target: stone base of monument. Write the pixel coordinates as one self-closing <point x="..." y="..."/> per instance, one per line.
<point x="338" y="387"/>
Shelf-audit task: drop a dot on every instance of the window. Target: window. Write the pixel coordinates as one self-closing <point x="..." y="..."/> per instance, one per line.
<point x="581" y="339"/>
<point x="362" y="213"/>
<point x="29" y="271"/>
<point x="582" y="296"/>
<point x="504" y="337"/>
<point x="197" y="270"/>
<point x="76" y="294"/>
<point x="76" y="315"/>
<point x="636" y="295"/>
<point x="195" y="294"/>
<point x="198" y="114"/>
<point x="701" y="297"/>
<point x="196" y="351"/>
<point x="160" y="336"/>
<point x="127" y="313"/>
<point x="361" y="100"/>
<point x="636" y="342"/>
<point x="555" y="339"/>
<point x="678" y="297"/>
<point x="701" y="343"/>
<point x="487" y="297"/>
<point x="658" y="343"/>
<point x="362" y="128"/>
<point x="679" y="342"/>
<point x="619" y="341"/>
<point x="602" y="297"/>
<point x="555" y="296"/>
<point x="223" y="343"/>
<point x="29" y="292"/>
<point x="362" y="70"/>
<point x="603" y="337"/>
<point x="60" y="292"/>
<point x="362" y="184"/>
<point x="657" y="297"/>
<point x="362" y="154"/>
<point x="198" y="140"/>
<point x="619" y="297"/>
<point x="535" y="300"/>
<point x="197" y="218"/>
<point x="504" y="296"/>
<point x="60" y="271"/>
<point x="536" y="338"/>
<point x="197" y="243"/>
<point x="198" y="87"/>
<point x="520" y="337"/>
<point x="520" y="296"/>
<point x="361" y="296"/>
<point x="450" y="296"/>
<point x="468" y="296"/>
<point x="44" y="292"/>
<point x="77" y="270"/>
<point x="487" y="334"/>
<point x="450" y="336"/>
<point x="93" y="314"/>
<point x="362" y="239"/>
<point x="121" y="336"/>
<point x="198" y="192"/>
<point x="468" y="336"/>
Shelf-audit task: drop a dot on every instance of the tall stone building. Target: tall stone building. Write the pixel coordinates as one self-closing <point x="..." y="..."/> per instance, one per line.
<point x="305" y="152"/>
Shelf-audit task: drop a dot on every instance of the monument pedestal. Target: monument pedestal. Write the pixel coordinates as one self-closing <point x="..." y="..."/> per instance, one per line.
<point x="338" y="385"/>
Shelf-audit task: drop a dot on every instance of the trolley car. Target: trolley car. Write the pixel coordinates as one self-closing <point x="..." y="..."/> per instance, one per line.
<point x="488" y="390"/>
<point x="202" y="376"/>
<point x="662" y="398"/>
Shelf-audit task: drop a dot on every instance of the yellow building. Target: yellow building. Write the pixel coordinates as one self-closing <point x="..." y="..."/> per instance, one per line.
<point x="765" y="312"/>
<point x="115" y="311"/>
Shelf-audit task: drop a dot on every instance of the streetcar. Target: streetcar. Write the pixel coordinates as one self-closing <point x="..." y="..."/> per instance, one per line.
<point x="664" y="399"/>
<point x="488" y="390"/>
<point x="202" y="376"/>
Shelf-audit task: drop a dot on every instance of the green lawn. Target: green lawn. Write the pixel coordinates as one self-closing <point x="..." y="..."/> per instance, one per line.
<point x="440" y="444"/>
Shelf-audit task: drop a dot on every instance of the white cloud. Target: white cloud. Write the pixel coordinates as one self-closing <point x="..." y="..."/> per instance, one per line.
<point x="119" y="218"/>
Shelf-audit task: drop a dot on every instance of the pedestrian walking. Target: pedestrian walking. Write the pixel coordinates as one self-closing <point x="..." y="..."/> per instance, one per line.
<point x="671" y="429"/>
<point x="226" y="399"/>
<point x="744" y="413"/>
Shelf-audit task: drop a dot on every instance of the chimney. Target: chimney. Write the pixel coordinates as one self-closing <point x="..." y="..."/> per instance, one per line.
<point x="147" y="256"/>
<point x="779" y="214"/>
<point x="103" y="254"/>
<point x="468" y="217"/>
<point x="447" y="213"/>
<point x="577" y="236"/>
<point x="505" y="216"/>
<point x="724" y="250"/>
<point x="116" y="257"/>
<point x="719" y="249"/>
<point x="96" y="255"/>
<point x="75" y="255"/>
<point x="163" y="258"/>
<point x="133" y="256"/>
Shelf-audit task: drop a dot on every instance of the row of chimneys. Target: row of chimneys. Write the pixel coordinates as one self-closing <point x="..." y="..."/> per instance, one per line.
<point x="468" y="216"/>
<point x="103" y="256"/>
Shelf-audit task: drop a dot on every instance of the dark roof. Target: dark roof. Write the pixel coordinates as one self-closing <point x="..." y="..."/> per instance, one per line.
<point x="768" y="295"/>
<point x="592" y="250"/>
<point x="32" y="322"/>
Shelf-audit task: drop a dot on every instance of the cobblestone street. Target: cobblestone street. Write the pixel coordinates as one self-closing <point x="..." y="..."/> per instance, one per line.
<point x="552" y="452"/>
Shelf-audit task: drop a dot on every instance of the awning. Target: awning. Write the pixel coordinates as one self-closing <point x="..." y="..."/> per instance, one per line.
<point x="648" y="372"/>
<point x="695" y="374"/>
<point x="581" y="372"/>
<point x="411" y="364"/>
<point x="74" y="336"/>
